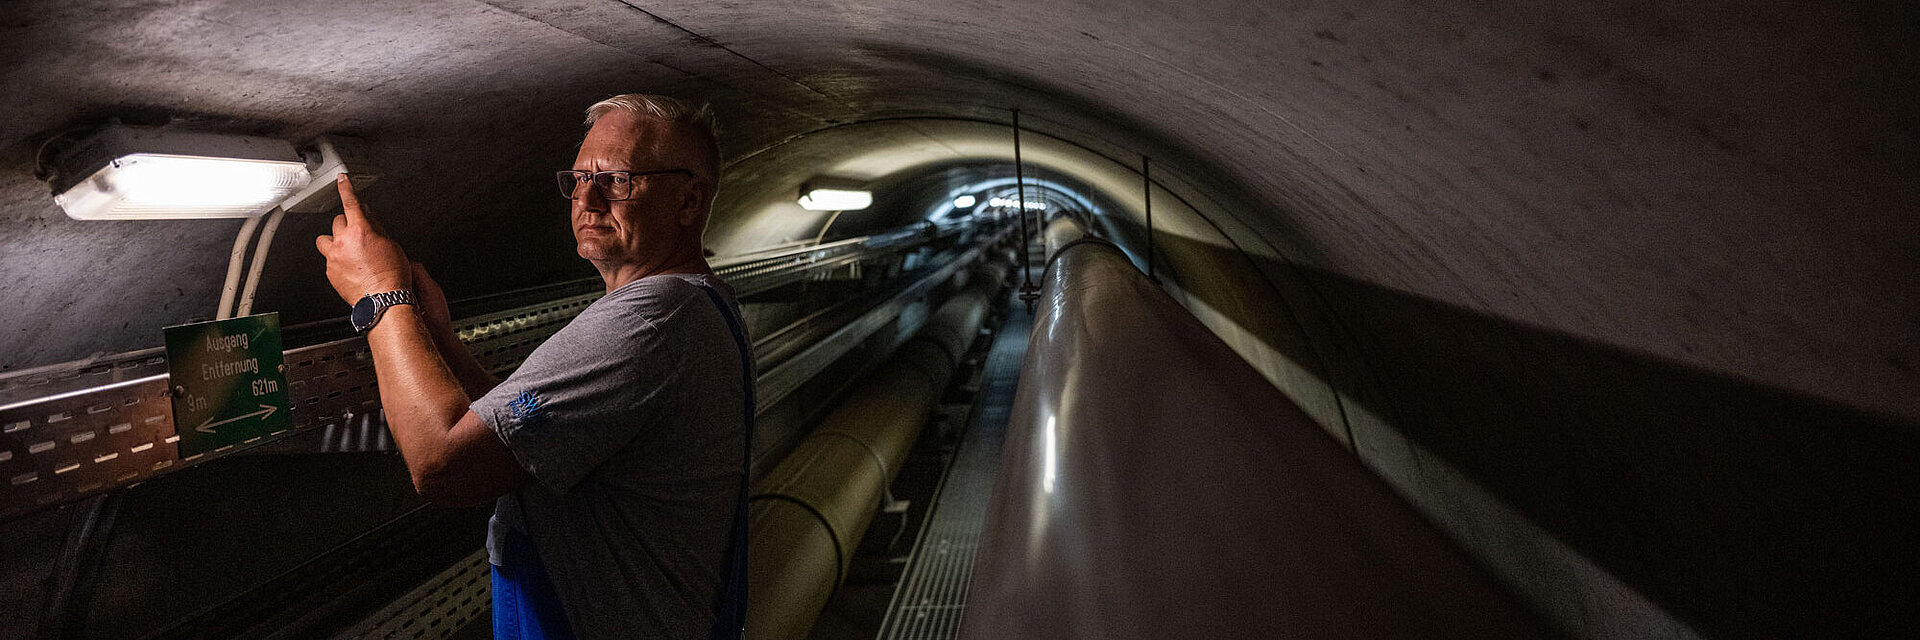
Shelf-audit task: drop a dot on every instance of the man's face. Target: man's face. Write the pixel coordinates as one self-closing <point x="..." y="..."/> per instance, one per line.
<point x="652" y="223"/>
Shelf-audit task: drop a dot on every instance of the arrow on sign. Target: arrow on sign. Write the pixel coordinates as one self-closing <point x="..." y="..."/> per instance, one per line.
<point x="207" y="427"/>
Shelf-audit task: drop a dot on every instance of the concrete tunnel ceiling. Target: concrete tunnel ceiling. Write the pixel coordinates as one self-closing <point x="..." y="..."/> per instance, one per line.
<point x="1615" y="200"/>
<point x="759" y="208"/>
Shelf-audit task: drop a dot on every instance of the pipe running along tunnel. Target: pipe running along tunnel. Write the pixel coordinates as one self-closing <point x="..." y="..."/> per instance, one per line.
<point x="1605" y="312"/>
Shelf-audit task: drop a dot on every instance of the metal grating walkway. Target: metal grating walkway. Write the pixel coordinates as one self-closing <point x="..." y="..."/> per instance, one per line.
<point x="933" y="589"/>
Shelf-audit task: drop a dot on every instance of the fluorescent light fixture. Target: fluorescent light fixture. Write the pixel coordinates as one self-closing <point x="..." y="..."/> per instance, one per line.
<point x="835" y="200"/>
<point x="963" y="202"/>
<point x="1012" y="202"/>
<point x="144" y="186"/>
<point x="144" y="173"/>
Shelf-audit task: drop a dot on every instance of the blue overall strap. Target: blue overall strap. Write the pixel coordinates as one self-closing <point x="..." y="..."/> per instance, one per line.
<point x="525" y="605"/>
<point x="730" y="608"/>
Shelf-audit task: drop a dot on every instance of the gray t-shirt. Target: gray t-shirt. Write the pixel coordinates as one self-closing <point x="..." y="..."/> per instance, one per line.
<point x="630" y="421"/>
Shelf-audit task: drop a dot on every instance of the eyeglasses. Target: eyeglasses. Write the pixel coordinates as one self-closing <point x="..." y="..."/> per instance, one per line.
<point x="612" y="185"/>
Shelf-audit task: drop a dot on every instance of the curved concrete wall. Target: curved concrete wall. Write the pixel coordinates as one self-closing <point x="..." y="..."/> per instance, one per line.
<point x="1621" y="294"/>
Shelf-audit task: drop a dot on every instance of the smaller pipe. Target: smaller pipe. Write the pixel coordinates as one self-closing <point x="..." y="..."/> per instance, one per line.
<point x="260" y="249"/>
<point x="235" y="259"/>
<point x="807" y="516"/>
<point x="824" y="227"/>
<point x="77" y="565"/>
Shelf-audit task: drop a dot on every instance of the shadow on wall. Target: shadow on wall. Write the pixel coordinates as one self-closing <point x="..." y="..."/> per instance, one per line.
<point x="1744" y="509"/>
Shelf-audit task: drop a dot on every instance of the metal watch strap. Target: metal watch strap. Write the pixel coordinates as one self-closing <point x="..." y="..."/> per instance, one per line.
<point x="383" y="300"/>
<point x="389" y="298"/>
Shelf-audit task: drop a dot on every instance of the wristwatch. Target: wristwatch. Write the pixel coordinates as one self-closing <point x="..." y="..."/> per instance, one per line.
<point x="368" y="310"/>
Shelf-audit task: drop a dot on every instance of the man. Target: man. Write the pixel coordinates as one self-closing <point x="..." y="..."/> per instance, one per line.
<point x="616" y="452"/>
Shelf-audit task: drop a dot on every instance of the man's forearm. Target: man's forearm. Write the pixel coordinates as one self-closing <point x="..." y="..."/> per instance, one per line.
<point x="421" y="396"/>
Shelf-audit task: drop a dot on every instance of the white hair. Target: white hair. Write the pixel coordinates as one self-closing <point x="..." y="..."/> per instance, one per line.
<point x="694" y="119"/>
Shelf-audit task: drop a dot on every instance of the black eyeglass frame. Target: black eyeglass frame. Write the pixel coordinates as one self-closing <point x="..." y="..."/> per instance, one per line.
<point x="602" y="181"/>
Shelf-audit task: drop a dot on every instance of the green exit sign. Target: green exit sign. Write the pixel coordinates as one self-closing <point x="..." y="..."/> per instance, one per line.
<point x="229" y="382"/>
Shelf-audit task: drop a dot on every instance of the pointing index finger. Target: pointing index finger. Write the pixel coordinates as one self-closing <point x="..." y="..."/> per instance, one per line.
<point x="349" y="202"/>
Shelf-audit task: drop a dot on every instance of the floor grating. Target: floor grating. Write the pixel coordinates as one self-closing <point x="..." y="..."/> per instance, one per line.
<point x="933" y="589"/>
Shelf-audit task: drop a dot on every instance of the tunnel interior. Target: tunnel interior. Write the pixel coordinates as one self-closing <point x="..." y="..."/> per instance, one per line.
<point x="1619" y="295"/>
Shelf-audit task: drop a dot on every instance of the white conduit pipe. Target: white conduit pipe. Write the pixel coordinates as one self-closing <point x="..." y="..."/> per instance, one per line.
<point x="259" y="261"/>
<point x="234" y="259"/>
<point x="823" y="228"/>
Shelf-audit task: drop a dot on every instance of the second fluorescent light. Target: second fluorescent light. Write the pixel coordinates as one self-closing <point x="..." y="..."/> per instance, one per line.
<point x="836" y="200"/>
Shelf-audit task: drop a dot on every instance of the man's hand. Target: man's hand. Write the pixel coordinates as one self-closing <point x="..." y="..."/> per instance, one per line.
<point x="432" y="304"/>
<point x="361" y="259"/>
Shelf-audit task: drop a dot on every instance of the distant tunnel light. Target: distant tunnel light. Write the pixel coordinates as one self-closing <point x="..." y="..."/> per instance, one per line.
<point x="1011" y="202"/>
<point x="963" y="202"/>
<point x="836" y="200"/>
<point x="136" y="173"/>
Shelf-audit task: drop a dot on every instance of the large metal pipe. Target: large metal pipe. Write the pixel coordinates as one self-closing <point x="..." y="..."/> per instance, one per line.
<point x="1154" y="485"/>
<point x="809" y="513"/>
<point x="1059" y="233"/>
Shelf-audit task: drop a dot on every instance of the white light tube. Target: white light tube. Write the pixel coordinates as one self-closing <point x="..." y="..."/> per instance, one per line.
<point x="153" y="186"/>
<point x="1009" y="202"/>
<point x="836" y="200"/>
<point x="963" y="202"/>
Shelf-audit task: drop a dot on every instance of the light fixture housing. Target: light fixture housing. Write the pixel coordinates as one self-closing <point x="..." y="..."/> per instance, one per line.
<point x="832" y="193"/>
<point x="1010" y="203"/>
<point x="835" y="200"/>
<point x="328" y="157"/>
<point x="125" y="172"/>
